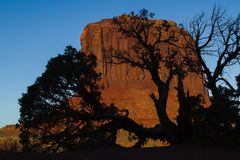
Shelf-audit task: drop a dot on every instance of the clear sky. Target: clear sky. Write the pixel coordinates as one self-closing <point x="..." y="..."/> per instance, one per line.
<point x="33" y="31"/>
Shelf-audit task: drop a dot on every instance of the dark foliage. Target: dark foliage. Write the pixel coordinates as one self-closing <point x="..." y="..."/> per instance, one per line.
<point x="10" y="145"/>
<point x="216" y="37"/>
<point x="62" y="109"/>
<point x="219" y="124"/>
<point x="155" y="49"/>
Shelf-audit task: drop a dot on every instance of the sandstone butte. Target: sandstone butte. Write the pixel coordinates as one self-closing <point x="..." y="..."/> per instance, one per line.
<point x="129" y="87"/>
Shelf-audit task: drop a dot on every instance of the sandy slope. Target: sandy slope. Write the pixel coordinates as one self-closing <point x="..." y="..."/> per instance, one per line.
<point x="180" y="152"/>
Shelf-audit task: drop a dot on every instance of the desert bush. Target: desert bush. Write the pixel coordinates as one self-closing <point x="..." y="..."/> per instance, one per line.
<point x="10" y="145"/>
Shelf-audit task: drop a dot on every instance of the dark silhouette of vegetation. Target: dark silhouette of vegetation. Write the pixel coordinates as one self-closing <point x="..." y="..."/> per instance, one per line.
<point x="150" y="53"/>
<point x="216" y="37"/>
<point x="10" y="145"/>
<point x="63" y="110"/>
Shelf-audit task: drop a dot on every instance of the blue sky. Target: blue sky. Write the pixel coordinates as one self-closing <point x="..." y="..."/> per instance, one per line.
<point x="33" y="31"/>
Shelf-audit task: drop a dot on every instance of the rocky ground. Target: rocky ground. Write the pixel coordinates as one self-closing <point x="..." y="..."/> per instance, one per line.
<point x="180" y="152"/>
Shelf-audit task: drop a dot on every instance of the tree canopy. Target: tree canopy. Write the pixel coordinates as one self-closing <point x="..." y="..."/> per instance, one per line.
<point x="63" y="108"/>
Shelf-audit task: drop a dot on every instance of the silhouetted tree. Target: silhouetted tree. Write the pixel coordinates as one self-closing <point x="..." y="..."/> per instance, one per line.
<point x="216" y="40"/>
<point x="62" y="110"/>
<point x="218" y="36"/>
<point x="155" y="49"/>
<point x="238" y="84"/>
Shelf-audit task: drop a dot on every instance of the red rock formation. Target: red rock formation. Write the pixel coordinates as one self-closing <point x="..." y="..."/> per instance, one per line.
<point x="9" y="131"/>
<point x="129" y="87"/>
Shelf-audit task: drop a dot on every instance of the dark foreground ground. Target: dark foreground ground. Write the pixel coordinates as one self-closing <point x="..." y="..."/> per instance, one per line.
<point x="180" y="152"/>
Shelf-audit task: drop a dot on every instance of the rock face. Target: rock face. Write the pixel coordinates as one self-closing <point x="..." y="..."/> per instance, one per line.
<point x="129" y="87"/>
<point x="9" y="131"/>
